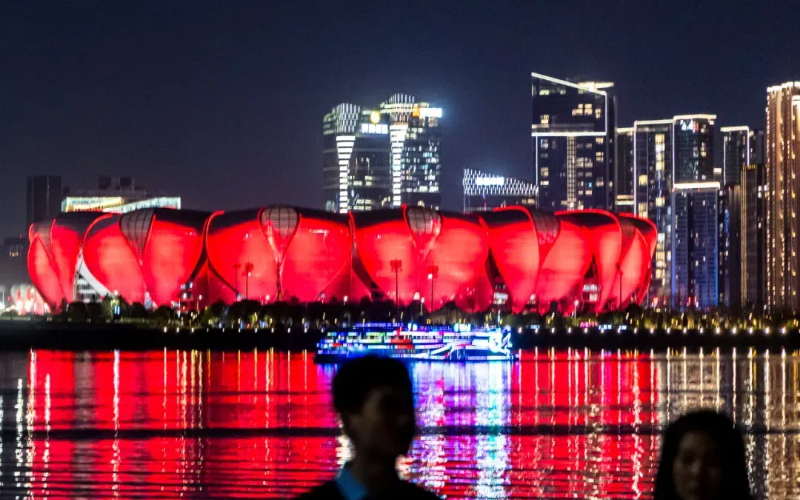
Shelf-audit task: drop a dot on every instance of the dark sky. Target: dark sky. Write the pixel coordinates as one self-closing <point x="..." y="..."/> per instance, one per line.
<point x="222" y="103"/>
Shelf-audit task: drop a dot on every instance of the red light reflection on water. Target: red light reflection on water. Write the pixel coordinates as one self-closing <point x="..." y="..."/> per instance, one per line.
<point x="259" y="424"/>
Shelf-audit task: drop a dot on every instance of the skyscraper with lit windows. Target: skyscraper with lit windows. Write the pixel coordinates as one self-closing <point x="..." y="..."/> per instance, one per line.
<point x="652" y="175"/>
<point x="415" y="148"/>
<point x="695" y="259"/>
<point x="380" y="158"/>
<point x="783" y="199"/>
<point x="624" y="162"/>
<point x="356" y="159"/>
<point x="735" y="153"/>
<point x="667" y="152"/>
<point x="753" y="235"/>
<point x="573" y="133"/>
<point x="693" y="143"/>
<point x="730" y="246"/>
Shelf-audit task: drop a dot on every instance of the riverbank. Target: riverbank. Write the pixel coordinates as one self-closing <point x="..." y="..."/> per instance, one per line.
<point x="24" y="335"/>
<point x="19" y="335"/>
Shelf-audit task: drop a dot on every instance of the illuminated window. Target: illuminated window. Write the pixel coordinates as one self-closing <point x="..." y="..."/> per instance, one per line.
<point x="545" y="171"/>
<point x="643" y="180"/>
<point x="545" y="119"/>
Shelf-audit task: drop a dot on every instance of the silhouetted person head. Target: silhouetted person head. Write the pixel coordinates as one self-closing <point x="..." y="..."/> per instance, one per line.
<point x="702" y="458"/>
<point x="375" y="402"/>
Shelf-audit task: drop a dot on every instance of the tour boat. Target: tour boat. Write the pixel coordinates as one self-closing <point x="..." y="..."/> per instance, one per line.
<point x="415" y="342"/>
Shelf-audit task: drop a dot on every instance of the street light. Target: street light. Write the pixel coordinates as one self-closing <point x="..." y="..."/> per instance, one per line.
<point x="236" y="268"/>
<point x="396" y="266"/>
<point x="248" y="269"/>
<point x="433" y="272"/>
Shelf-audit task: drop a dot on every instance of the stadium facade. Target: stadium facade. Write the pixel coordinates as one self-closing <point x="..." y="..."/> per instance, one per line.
<point x="517" y="258"/>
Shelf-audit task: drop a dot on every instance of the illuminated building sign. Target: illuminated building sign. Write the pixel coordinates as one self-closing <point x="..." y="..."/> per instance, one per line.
<point x="490" y="181"/>
<point x="116" y="204"/>
<point x="374" y="128"/>
<point x="688" y="126"/>
<point x="430" y="112"/>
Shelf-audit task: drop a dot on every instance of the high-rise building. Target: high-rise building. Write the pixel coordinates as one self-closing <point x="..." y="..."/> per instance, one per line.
<point x="753" y="235"/>
<point x="652" y="156"/>
<point x="730" y="246"/>
<point x="783" y="204"/>
<point x="13" y="260"/>
<point x="624" y="163"/>
<point x="736" y="151"/>
<point x="694" y="245"/>
<point x="693" y="143"/>
<point x="665" y="153"/>
<point x="573" y="133"/>
<point x="383" y="157"/>
<point x="356" y="159"/>
<point x="484" y="192"/>
<point x="758" y="147"/>
<point x="43" y="198"/>
<point x="415" y="142"/>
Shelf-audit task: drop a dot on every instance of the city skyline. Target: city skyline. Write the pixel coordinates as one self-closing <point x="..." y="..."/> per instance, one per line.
<point x="239" y="111"/>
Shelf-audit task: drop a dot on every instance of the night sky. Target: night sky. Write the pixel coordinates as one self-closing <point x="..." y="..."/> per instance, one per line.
<point x="222" y="103"/>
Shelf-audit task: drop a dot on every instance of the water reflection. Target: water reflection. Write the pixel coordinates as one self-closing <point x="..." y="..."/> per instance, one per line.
<point x="258" y="424"/>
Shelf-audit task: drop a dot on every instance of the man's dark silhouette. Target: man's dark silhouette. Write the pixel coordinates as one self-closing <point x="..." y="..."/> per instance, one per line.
<point x="374" y="400"/>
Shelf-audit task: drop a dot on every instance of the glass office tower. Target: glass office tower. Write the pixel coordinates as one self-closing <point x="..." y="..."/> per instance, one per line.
<point x="782" y="177"/>
<point x="735" y="153"/>
<point x="694" y="245"/>
<point x="415" y="144"/>
<point x="666" y="153"/>
<point x="730" y="246"/>
<point x="753" y="235"/>
<point x="573" y="133"/>
<point x="356" y="159"/>
<point x="624" y="162"/>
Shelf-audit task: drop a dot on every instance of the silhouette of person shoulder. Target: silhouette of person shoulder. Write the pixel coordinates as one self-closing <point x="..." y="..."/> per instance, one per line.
<point x="375" y="402"/>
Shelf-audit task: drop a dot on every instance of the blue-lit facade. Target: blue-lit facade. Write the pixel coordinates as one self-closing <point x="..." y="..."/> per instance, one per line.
<point x="668" y="153"/>
<point x="695" y="259"/>
<point x="652" y="156"/>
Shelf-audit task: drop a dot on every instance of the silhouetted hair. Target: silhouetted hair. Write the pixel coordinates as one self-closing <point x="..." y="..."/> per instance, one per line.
<point x="722" y="431"/>
<point x="356" y="378"/>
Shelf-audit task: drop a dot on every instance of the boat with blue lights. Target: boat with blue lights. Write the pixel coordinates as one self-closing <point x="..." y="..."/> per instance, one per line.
<point x="417" y="342"/>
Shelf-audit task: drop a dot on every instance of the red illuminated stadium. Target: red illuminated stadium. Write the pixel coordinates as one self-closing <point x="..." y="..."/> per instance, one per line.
<point x="515" y="256"/>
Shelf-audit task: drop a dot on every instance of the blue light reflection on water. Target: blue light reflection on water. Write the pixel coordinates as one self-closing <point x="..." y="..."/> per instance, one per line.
<point x="258" y="424"/>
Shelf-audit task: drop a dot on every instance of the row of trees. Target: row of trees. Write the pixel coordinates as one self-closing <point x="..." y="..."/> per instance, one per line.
<point x="318" y="315"/>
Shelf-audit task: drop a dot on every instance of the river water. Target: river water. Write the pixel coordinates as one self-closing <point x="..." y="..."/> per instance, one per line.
<point x="256" y="424"/>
